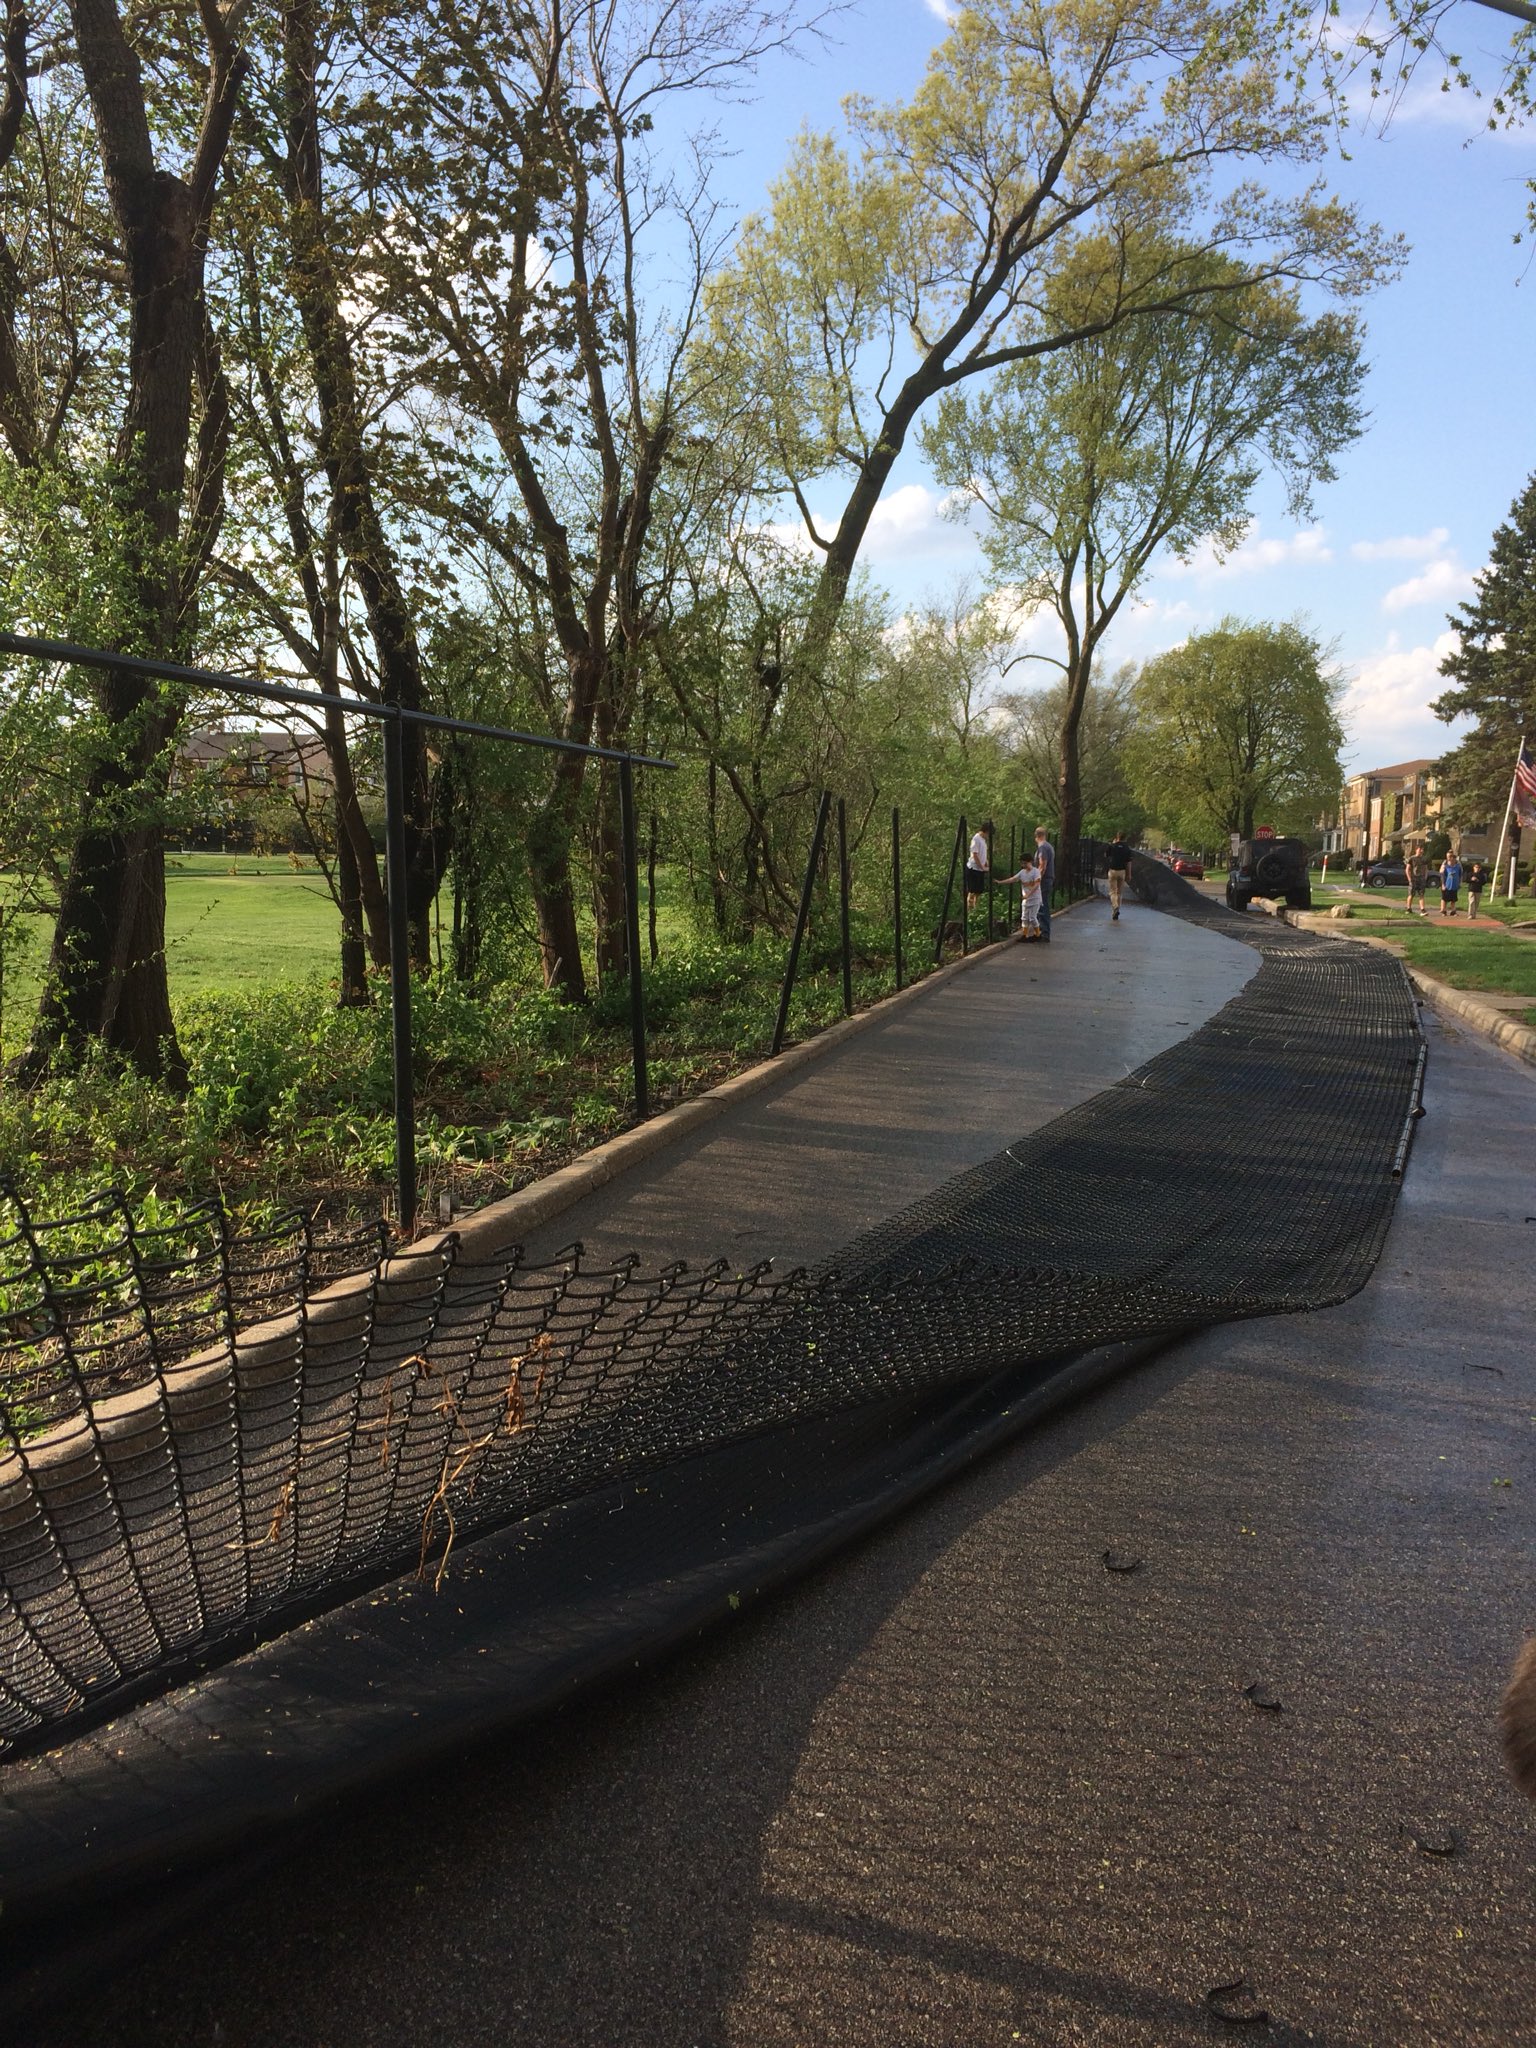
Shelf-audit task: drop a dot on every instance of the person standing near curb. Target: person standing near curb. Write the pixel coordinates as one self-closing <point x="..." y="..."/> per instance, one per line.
<point x="1045" y="855"/>
<point x="977" y="864"/>
<point x="1477" y="882"/>
<point x="1450" y="882"/>
<point x="1118" y="865"/>
<point x="1418" y="880"/>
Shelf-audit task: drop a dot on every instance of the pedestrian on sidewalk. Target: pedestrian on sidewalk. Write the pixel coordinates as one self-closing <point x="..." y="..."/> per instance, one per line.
<point x="977" y="865"/>
<point x="1045" y="855"/>
<point x="1418" y="880"/>
<point x="1450" y="882"/>
<point x="1028" y="879"/>
<point x="1477" y="882"/>
<point x="1118" y="864"/>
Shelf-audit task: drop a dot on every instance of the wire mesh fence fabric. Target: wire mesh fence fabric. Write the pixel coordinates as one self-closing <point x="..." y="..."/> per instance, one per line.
<point x="206" y="1437"/>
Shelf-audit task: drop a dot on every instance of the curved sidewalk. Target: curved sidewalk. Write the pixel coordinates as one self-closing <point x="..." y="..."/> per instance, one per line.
<point x="968" y="1785"/>
<point x="937" y="1085"/>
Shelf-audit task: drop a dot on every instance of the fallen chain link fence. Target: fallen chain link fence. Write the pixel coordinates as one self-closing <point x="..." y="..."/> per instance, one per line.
<point x="205" y="1437"/>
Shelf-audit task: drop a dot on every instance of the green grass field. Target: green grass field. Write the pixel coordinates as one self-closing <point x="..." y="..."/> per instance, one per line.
<point x="242" y="923"/>
<point x="1502" y="963"/>
<point x="232" y="922"/>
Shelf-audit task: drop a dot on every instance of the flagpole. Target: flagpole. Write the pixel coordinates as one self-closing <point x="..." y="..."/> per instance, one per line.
<point x="1498" y="859"/>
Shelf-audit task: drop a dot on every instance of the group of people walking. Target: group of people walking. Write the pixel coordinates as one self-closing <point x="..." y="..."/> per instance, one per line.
<point x="1452" y="874"/>
<point x="1035" y="876"/>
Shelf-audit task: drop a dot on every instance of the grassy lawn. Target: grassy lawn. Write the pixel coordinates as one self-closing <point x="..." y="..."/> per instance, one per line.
<point x="1496" y="961"/>
<point x="243" y="923"/>
<point x="233" y="922"/>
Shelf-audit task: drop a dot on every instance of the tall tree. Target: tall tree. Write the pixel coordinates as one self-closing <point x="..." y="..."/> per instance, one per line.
<point x="1031" y="730"/>
<point x="1048" y="142"/>
<point x="107" y="973"/>
<point x="1237" y="727"/>
<point x="1493" y="671"/>
<point x="1148" y="436"/>
<point x="519" y="208"/>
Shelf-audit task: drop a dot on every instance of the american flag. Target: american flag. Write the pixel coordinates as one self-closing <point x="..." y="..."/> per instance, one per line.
<point x="1525" y="787"/>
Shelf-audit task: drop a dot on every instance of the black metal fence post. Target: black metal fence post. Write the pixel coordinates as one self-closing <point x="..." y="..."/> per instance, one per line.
<point x="842" y="886"/>
<point x="896" y="885"/>
<point x="787" y="988"/>
<point x="399" y="973"/>
<point x="632" y="938"/>
<point x="949" y="889"/>
<point x="962" y="840"/>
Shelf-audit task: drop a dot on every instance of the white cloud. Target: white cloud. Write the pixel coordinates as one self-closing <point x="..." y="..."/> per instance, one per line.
<point x="1403" y="547"/>
<point x="910" y="521"/>
<point x="1157" y="611"/>
<point x="1386" y="704"/>
<point x="1307" y="548"/>
<point x="1441" y="583"/>
<point x="944" y="9"/>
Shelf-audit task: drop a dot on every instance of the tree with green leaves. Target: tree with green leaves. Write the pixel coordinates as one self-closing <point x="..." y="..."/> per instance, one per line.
<point x="1237" y="727"/>
<point x="1151" y="435"/>
<point x="1493" y="671"/>
<point x="1030" y="728"/>
<point x="157" y="97"/>
<point x="1005" y="213"/>
<point x="521" y="201"/>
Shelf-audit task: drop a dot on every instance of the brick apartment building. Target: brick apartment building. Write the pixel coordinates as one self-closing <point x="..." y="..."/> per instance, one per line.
<point x="1382" y="810"/>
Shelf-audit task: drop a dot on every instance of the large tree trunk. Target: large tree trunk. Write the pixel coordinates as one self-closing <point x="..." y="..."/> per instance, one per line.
<point x="353" y="992"/>
<point x="549" y="870"/>
<point x="107" y="972"/>
<point x="1069" y="781"/>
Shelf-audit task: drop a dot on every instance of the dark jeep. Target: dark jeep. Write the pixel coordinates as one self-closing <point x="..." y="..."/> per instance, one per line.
<point x="1276" y="868"/>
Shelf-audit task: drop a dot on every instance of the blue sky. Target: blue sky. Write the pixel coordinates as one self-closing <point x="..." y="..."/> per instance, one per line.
<point x="1452" y="347"/>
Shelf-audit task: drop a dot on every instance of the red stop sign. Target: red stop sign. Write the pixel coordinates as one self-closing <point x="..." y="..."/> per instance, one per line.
<point x="1263" y="831"/>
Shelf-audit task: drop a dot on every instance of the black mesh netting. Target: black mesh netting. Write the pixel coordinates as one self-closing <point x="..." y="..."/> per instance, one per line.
<point x="205" y="1439"/>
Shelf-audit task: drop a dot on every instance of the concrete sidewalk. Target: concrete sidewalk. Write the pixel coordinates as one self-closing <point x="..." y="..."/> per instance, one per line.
<point x="937" y="1085"/>
<point x="966" y="1785"/>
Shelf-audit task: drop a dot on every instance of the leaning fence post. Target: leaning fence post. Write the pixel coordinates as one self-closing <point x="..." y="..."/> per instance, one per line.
<point x="842" y="885"/>
<point x="632" y="936"/>
<point x="399" y="971"/>
<point x="963" y="842"/>
<point x="791" y="965"/>
<point x="896" y="885"/>
<point x="949" y="887"/>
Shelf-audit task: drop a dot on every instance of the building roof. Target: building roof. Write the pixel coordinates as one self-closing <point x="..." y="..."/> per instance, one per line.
<point x="1399" y="771"/>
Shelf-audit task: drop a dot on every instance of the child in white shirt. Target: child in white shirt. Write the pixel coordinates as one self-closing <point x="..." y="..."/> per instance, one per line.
<point x="1028" y="879"/>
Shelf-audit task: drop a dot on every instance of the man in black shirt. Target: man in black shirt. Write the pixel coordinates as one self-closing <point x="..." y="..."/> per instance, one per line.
<point x="1118" y="862"/>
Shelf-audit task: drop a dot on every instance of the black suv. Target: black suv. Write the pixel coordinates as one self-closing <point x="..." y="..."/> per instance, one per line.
<point x="1270" y="867"/>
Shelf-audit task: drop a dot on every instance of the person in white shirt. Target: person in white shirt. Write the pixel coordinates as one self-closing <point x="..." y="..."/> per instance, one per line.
<point x="1028" y="879"/>
<point x="977" y="865"/>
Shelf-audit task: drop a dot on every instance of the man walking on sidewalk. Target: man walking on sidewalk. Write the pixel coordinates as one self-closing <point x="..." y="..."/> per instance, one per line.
<point x="1118" y="864"/>
<point x="1045" y="854"/>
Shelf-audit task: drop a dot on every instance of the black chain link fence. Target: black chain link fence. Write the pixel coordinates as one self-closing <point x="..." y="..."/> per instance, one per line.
<point x="204" y="1438"/>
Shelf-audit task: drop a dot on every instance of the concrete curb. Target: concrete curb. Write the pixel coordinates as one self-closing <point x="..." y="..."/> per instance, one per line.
<point x="1490" y="1023"/>
<point x="503" y="1224"/>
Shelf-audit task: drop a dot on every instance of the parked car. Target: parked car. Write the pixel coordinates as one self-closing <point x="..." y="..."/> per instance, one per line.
<point x="1273" y="868"/>
<point x="1186" y="864"/>
<point x="1386" y="874"/>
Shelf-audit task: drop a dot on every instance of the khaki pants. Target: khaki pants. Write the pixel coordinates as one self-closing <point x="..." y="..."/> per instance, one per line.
<point x="1116" y="884"/>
